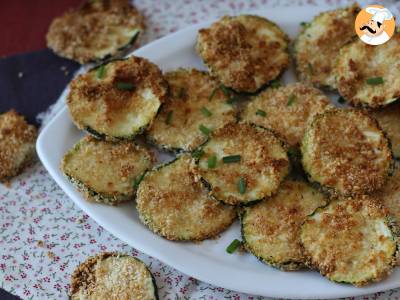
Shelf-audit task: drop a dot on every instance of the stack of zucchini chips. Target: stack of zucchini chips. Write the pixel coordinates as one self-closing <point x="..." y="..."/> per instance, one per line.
<point x="237" y="133"/>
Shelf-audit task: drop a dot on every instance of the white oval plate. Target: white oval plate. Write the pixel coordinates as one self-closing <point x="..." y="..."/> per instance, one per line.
<point x="207" y="261"/>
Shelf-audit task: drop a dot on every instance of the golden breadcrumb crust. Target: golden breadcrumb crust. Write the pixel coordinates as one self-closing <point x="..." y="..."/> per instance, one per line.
<point x="245" y="52"/>
<point x="288" y="110"/>
<point x="318" y="44"/>
<point x="113" y="276"/>
<point x="350" y="241"/>
<point x="17" y="144"/>
<point x="106" y="171"/>
<point x="99" y="105"/>
<point x="389" y="120"/>
<point x="263" y="163"/>
<point x="194" y="99"/>
<point x="172" y="202"/>
<point x="358" y="62"/>
<point x="347" y="152"/>
<point x="95" y="31"/>
<point x="271" y="228"/>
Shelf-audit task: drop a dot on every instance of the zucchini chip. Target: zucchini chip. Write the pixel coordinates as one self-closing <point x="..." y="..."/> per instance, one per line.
<point x="346" y="152"/>
<point x="98" y="30"/>
<point x="271" y="228"/>
<point x="367" y="75"/>
<point x="350" y="241"/>
<point x="17" y="144"/>
<point x="112" y="276"/>
<point x="117" y="100"/>
<point x="243" y="163"/>
<point x="106" y="172"/>
<point x="173" y="203"/>
<point x="245" y="52"/>
<point x="195" y="99"/>
<point x="286" y="110"/>
<point x="317" y="47"/>
<point x="389" y="120"/>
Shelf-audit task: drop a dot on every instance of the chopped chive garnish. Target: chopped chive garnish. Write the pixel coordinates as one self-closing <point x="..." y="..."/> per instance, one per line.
<point x="138" y="180"/>
<point x="310" y="68"/>
<point x="242" y="185"/>
<point x="225" y="90"/>
<point x="233" y="246"/>
<point x="214" y="91"/>
<point x="168" y="120"/>
<point x="101" y="71"/>
<point x="341" y="100"/>
<point x="275" y="84"/>
<point x="204" y="129"/>
<point x="231" y="159"/>
<point x="206" y="112"/>
<point x="304" y="24"/>
<point x="198" y="153"/>
<point x="231" y="100"/>
<point x="375" y="80"/>
<point x="212" y="162"/>
<point x="126" y="86"/>
<point x="291" y="100"/>
<point x="261" y="113"/>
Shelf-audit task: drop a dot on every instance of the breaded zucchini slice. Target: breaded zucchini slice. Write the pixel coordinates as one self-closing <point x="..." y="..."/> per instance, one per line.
<point x="389" y="120"/>
<point x="244" y="52"/>
<point x="112" y="276"/>
<point x="317" y="46"/>
<point x="17" y="144"/>
<point x="243" y="163"/>
<point x="173" y="203"/>
<point x="106" y="172"/>
<point x="195" y="99"/>
<point x="117" y="100"/>
<point x="350" y="241"/>
<point x="286" y="110"/>
<point x="271" y="228"/>
<point x="346" y="152"/>
<point x="98" y="30"/>
<point x="367" y="75"/>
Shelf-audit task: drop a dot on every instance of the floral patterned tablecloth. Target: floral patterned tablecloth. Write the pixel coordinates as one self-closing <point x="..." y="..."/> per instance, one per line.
<point x="44" y="235"/>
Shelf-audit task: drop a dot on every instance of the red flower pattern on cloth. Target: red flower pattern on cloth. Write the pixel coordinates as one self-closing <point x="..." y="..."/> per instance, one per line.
<point x="44" y="235"/>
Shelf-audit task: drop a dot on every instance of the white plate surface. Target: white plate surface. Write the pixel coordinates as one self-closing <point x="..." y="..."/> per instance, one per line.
<point x="207" y="261"/>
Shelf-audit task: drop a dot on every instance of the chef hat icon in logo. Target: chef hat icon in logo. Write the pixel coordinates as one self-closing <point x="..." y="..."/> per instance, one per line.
<point x="375" y="25"/>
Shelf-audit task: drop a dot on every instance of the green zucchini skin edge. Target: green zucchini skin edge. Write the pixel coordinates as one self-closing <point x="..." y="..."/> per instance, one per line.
<point x="98" y="197"/>
<point x="331" y="192"/>
<point x="390" y="222"/>
<point x="254" y="201"/>
<point x="156" y="296"/>
<point x="119" y="52"/>
<point x="287" y="266"/>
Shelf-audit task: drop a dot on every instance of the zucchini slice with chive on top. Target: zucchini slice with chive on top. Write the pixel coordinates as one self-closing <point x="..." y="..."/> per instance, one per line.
<point x="189" y="114"/>
<point x="351" y="241"/>
<point x="173" y="203"/>
<point x="96" y="31"/>
<point x="389" y="120"/>
<point x="286" y="110"/>
<point x="317" y="47"/>
<point x="244" y="52"/>
<point x="366" y="76"/>
<point x="271" y="228"/>
<point x="117" y="100"/>
<point x="346" y="152"/>
<point x="243" y="163"/>
<point x="113" y="276"/>
<point x="106" y="172"/>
